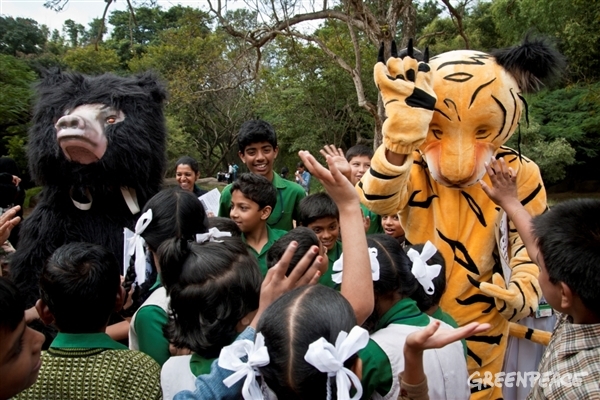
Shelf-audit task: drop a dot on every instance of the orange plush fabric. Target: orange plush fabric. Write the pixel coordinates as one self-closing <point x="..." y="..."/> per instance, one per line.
<point x="436" y="190"/>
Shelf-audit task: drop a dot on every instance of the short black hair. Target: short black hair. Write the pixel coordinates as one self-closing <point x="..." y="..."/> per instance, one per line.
<point x="568" y="237"/>
<point x="213" y="286"/>
<point x="305" y="237"/>
<point x="256" y="131"/>
<point x="12" y="306"/>
<point x="256" y="188"/>
<point x="187" y="160"/>
<point x="359" y="150"/>
<point x="426" y="301"/>
<point x="289" y="326"/>
<point x="224" y="225"/>
<point x="300" y="164"/>
<point x="317" y="206"/>
<point x="79" y="284"/>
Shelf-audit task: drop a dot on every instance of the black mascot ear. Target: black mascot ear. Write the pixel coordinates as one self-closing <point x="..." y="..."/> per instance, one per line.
<point x="54" y="77"/>
<point x="532" y="62"/>
<point x="152" y="84"/>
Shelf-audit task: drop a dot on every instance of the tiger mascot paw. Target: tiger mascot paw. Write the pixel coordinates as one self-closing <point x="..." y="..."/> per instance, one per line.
<point x="406" y="87"/>
<point x="514" y="302"/>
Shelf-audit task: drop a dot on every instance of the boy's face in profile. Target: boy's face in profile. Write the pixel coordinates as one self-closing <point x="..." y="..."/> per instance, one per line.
<point x="259" y="158"/>
<point x="359" y="165"/>
<point x="327" y="230"/>
<point x="245" y="213"/>
<point x="20" y="362"/>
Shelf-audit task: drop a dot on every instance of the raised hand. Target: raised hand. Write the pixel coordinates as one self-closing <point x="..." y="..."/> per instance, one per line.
<point x="503" y="191"/>
<point x="406" y="87"/>
<point x="337" y="185"/>
<point x="7" y="222"/>
<point x="307" y="272"/>
<point x="434" y="338"/>
<point x="338" y="158"/>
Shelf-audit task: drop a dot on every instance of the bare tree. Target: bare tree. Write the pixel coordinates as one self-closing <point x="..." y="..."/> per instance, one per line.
<point x="376" y="19"/>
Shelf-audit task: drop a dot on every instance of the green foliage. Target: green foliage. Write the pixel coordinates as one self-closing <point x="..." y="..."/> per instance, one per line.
<point x="572" y="113"/>
<point x="88" y="60"/>
<point x="551" y="155"/>
<point x="20" y="36"/>
<point x="15" y="104"/>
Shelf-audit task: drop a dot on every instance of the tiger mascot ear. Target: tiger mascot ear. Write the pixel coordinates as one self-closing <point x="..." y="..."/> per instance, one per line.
<point x="531" y="63"/>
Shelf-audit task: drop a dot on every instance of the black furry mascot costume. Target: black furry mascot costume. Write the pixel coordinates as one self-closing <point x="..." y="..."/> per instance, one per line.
<point x="97" y="146"/>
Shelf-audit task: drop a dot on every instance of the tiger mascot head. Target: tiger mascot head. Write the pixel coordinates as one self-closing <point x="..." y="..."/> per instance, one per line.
<point x="479" y="105"/>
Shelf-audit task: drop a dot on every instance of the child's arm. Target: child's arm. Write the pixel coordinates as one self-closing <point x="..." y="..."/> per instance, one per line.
<point x="357" y="281"/>
<point x="413" y="377"/>
<point x="503" y="192"/>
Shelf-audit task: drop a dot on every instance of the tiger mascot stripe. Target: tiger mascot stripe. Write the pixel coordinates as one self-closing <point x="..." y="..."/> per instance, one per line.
<point x="444" y="120"/>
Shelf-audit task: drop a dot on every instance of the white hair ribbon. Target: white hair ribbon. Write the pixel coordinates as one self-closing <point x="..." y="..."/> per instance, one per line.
<point x="330" y="359"/>
<point x="258" y="356"/>
<point x="338" y="266"/>
<point x="211" y="236"/>
<point x="423" y="271"/>
<point x="136" y="246"/>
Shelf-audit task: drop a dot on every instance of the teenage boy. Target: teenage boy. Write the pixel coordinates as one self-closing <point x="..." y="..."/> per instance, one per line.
<point x="354" y="165"/>
<point x="319" y="213"/>
<point x="565" y="243"/>
<point x="253" y="198"/>
<point x="257" y="143"/>
<point x="80" y="287"/>
<point x="20" y="346"/>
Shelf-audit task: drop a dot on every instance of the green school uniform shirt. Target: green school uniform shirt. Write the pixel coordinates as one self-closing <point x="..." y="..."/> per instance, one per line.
<point x="377" y="371"/>
<point x="333" y="255"/>
<point x="200" y="365"/>
<point x="375" y="225"/>
<point x="148" y="324"/>
<point x="285" y="212"/>
<point x="261" y="257"/>
<point x="93" y="366"/>
<point x="442" y="316"/>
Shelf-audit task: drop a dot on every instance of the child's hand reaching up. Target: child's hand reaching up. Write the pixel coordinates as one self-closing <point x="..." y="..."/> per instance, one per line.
<point x="336" y="184"/>
<point x="338" y="158"/>
<point x="503" y="191"/>
<point x="306" y="272"/>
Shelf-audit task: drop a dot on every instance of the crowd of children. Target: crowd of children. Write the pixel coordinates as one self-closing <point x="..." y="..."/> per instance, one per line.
<point x="265" y="302"/>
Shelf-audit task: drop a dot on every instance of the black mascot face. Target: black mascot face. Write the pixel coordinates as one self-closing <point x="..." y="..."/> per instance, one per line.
<point x="108" y="129"/>
<point x="97" y="146"/>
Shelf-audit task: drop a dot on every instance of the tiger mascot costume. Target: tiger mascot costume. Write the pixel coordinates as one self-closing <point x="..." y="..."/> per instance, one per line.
<point x="445" y="119"/>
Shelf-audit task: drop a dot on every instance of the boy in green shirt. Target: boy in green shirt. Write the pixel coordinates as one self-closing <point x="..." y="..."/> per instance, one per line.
<point x="257" y="143"/>
<point x="253" y="198"/>
<point x="80" y="287"/>
<point x="319" y="213"/>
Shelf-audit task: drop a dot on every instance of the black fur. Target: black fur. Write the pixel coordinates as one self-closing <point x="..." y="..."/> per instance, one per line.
<point x="135" y="158"/>
<point x="532" y="62"/>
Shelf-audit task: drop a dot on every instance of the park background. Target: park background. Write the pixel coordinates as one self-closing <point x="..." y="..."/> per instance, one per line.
<point x="306" y="67"/>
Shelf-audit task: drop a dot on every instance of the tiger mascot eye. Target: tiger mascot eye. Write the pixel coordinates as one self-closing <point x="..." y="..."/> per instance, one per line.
<point x="445" y="119"/>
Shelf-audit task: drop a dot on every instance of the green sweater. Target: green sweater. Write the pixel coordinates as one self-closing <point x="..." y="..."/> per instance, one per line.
<point x="93" y="366"/>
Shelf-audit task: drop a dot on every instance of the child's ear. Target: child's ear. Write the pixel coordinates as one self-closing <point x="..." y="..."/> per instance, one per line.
<point x="265" y="213"/>
<point x="120" y="299"/>
<point x="44" y="312"/>
<point x="566" y="296"/>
